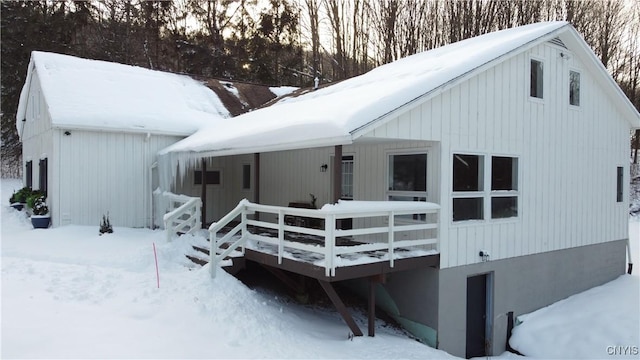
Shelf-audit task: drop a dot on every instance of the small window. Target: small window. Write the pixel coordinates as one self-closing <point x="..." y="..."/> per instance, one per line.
<point x="467" y="172"/>
<point x="467" y="209"/>
<point x="620" y="182"/>
<point x="29" y="174"/>
<point x="536" y="79"/>
<point x="504" y="207"/>
<point x="246" y="177"/>
<point x="211" y="177"/>
<point x="574" y="88"/>
<point x="504" y="173"/>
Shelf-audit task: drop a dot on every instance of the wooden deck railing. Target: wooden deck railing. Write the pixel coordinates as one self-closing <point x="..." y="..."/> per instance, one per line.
<point x="383" y="226"/>
<point x="183" y="216"/>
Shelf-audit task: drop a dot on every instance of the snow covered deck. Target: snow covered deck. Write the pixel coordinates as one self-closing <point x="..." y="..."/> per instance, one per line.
<point x="386" y="237"/>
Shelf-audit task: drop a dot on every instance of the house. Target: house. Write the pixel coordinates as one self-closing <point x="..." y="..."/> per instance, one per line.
<point x="90" y="132"/>
<point x="518" y="139"/>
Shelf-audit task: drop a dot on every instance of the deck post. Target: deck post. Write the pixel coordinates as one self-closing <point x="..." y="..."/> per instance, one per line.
<point x="203" y="193"/>
<point x="342" y="309"/>
<point x="337" y="178"/>
<point x="372" y="305"/>
<point x="256" y="182"/>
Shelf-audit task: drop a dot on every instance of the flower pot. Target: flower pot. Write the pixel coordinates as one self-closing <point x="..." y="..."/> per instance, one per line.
<point x="40" y="221"/>
<point x="17" y="206"/>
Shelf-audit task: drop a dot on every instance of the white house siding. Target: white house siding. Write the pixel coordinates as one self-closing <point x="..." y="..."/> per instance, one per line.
<point x="567" y="156"/>
<point x="105" y="172"/>
<point x="36" y="135"/>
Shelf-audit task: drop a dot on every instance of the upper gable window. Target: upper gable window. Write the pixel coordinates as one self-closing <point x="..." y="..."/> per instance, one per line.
<point x="536" y="79"/>
<point x="574" y="88"/>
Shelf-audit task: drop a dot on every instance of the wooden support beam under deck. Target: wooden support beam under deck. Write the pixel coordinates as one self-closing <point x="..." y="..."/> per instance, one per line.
<point x="342" y="309"/>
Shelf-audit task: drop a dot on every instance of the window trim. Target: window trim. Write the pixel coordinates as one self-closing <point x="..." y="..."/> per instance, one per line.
<point x="487" y="194"/>
<point x="528" y="82"/>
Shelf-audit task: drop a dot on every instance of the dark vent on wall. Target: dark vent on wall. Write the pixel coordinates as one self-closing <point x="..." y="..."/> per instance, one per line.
<point x="558" y="42"/>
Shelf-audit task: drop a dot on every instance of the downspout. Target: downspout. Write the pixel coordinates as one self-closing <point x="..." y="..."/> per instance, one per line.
<point x="150" y="181"/>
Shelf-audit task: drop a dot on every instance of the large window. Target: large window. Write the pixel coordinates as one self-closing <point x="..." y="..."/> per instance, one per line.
<point x="468" y="187"/>
<point x="574" y="88"/>
<point x="472" y="200"/>
<point x="536" y="82"/>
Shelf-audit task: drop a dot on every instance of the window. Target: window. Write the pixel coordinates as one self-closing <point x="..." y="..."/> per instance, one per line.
<point x="574" y="88"/>
<point x="42" y="169"/>
<point x="408" y="180"/>
<point x="29" y="174"/>
<point x="468" y="187"/>
<point x="347" y="178"/>
<point x="504" y="186"/>
<point x="619" y="185"/>
<point x="246" y="177"/>
<point x="536" y="79"/>
<point x="211" y="177"/>
<point x="408" y="173"/>
<point x="470" y="196"/>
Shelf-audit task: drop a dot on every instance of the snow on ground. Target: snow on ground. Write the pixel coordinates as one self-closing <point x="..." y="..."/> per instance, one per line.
<point x="597" y="323"/>
<point x="70" y="293"/>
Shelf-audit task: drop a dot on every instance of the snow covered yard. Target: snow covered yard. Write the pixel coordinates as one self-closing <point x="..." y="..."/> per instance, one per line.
<point x="69" y="293"/>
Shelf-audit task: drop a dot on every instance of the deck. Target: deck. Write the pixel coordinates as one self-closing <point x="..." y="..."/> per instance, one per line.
<point x="386" y="237"/>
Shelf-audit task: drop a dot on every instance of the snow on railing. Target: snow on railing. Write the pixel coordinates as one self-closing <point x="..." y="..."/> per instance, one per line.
<point x="183" y="216"/>
<point x="383" y="226"/>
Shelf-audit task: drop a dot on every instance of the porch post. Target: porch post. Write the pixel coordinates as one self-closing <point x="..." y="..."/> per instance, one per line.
<point x="337" y="173"/>
<point x="203" y="193"/>
<point x="256" y="182"/>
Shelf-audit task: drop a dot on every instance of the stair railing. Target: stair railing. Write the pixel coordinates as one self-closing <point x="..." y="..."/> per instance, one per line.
<point x="183" y="219"/>
<point x="216" y="252"/>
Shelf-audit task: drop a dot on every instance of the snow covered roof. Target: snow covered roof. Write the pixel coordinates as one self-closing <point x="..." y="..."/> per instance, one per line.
<point x="340" y="113"/>
<point x="93" y="94"/>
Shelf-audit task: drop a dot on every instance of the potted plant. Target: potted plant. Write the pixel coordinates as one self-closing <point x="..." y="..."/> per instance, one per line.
<point x="19" y="198"/>
<point x="40" y="218"/>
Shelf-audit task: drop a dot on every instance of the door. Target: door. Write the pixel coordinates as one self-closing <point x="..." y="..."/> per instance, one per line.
<point x="477" y="342"/>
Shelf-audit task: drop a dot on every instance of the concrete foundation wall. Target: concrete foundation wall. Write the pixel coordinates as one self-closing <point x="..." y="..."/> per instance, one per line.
<point x="522" y="285"/>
